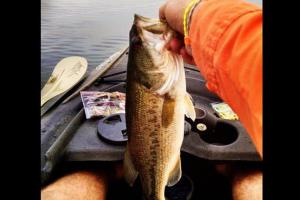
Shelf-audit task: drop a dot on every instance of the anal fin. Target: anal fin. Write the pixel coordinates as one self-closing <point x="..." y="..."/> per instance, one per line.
<point x="130" y="172"/>
<point x="175" y="174"/>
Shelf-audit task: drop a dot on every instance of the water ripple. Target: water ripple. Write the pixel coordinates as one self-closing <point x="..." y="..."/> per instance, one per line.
<point x="90" y="28"/>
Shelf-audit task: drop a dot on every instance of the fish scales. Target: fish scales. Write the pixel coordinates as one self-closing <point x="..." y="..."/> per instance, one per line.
<point x="155" y="107"/>
<point x="153" y="146"/>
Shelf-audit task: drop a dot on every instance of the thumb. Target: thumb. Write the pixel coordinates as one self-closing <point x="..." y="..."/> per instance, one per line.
<point x="162" y="9"/>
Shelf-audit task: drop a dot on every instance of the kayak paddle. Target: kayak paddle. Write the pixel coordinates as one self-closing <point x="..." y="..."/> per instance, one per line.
<point x="65" y="75"/>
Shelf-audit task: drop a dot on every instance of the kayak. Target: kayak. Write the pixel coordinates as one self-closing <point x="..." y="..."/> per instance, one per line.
<point x="67" y="135"/>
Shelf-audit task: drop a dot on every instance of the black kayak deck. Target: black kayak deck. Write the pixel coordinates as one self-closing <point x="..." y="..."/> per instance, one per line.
<point x="224" y="140"/>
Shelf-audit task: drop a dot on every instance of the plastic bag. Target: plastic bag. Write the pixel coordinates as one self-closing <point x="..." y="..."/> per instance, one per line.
<point x="102" y="103"/>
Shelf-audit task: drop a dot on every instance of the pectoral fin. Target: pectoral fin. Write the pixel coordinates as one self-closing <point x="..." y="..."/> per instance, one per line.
<point x="130" y="172"/>
<point x="189" y="107"/>
<point x="175" y="174"/>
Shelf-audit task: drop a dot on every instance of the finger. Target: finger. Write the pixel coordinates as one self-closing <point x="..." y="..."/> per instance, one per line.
<point x="176" y="45"/>
<point x="186" y="57"/>
<point x="162" y="15"/>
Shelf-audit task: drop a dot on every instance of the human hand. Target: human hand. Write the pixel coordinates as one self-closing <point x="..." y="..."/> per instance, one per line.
<point x="172" y="11"/>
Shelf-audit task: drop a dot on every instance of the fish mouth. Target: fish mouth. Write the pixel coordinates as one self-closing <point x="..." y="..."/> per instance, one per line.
<point x="152" y="25"/>
<point x="145" y="19"/>
<point x="151" y="32"/>
<point x="158" y="68"/>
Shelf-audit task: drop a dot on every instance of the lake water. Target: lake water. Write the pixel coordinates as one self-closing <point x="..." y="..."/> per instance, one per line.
<point x="93" y="29"/>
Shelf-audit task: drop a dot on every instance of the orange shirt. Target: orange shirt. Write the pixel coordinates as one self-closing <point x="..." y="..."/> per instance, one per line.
<point x="226" y="42"/>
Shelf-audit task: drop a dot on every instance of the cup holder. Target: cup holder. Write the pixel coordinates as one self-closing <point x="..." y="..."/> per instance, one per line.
<point x="223" y="134"/>
<point x="204" y="122"/>
<point x="200" y="113"/>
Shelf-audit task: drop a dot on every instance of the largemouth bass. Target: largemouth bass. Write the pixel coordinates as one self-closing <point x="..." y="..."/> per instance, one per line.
<point x="156" y="102"/>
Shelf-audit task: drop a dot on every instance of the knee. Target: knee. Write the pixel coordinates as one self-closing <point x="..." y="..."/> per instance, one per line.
<point x="78" y="185"/>
<point x="247" y="185"/>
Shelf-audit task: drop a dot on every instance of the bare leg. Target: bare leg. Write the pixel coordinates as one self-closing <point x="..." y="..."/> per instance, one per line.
<point x="77" y="186"/>
<point x="81" y="185"/>
<point x="246" y="183"/>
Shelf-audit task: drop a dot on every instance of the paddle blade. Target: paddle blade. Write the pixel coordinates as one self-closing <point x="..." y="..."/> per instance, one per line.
<point x="66" y="74"/>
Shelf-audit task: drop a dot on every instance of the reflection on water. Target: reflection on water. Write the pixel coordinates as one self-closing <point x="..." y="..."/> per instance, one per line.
<point x="94" y="29"/>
